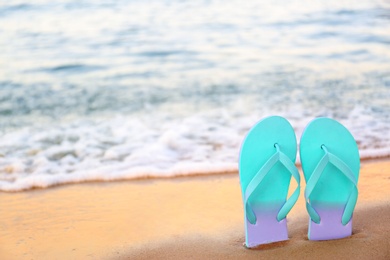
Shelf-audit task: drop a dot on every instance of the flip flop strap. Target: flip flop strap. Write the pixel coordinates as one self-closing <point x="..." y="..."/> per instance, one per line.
<point x="259" y="177"/>
<point x="315" y="176"/>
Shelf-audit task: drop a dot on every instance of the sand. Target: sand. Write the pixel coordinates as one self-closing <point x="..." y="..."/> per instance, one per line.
<point x="189" y="217"/>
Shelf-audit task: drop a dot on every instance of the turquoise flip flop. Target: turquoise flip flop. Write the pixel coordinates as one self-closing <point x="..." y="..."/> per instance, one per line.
<point x="331" y="163"/>
<point x="266" y="164"/>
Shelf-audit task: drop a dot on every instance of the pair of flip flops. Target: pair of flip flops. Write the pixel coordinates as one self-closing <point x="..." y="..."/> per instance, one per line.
<point x="330" y="163"/>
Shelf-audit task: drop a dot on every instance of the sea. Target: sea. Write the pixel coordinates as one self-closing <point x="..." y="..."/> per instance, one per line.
<point x="103" y="90"/>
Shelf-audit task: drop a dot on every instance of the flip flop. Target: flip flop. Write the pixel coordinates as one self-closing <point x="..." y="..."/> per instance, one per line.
<point x="266" y="164"/>
<point x="330" y="163"/>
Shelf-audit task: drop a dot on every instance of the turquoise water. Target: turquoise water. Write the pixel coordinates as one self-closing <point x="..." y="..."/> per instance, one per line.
<point x="125" y="89"/>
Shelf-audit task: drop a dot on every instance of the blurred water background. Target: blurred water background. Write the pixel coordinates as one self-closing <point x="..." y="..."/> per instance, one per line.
<point x="121" y="89"/>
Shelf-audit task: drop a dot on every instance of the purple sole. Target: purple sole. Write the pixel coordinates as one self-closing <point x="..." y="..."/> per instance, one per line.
<point x="330" y="226"/>
<point x="266" y="230"/>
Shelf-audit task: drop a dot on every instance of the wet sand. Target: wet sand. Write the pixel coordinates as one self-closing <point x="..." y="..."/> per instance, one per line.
<point x="188" y="217"/>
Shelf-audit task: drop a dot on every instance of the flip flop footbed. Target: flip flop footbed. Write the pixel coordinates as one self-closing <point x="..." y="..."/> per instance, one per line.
<point x="270" y="195"/>
<point x="333" y="188"/>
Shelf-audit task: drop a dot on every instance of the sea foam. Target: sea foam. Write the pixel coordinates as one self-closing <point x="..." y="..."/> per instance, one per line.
<point x="128" y="147"/>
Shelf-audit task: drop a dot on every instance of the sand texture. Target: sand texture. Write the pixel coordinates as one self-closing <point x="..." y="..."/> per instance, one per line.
<point x="182" y="218"/>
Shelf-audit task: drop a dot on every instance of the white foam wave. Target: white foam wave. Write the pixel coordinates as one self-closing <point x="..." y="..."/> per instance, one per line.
<point x="162" y="146"/>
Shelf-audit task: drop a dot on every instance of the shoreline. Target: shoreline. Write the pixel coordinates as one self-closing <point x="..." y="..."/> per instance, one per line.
<point x="194" y="175"/>
<point x="199" y="217"/>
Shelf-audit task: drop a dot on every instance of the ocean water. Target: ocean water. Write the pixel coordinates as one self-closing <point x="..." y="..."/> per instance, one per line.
<point x="126" y="89"/>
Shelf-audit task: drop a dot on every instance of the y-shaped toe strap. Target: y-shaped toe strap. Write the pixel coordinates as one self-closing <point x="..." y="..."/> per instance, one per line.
<point x="258" y="178"/>
<point x="315" y="176"/>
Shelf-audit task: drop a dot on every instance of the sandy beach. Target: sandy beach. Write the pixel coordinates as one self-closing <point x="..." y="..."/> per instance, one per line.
<point x="181" y="218"/>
